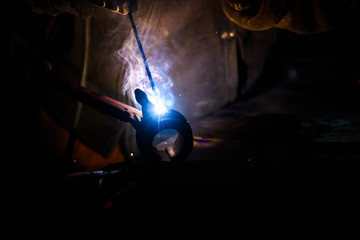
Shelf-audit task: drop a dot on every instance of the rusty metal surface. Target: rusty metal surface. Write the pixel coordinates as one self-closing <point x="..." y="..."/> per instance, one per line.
<point x="101" y="103"/>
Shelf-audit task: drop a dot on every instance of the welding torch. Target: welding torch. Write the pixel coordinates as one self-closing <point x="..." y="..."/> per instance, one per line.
<point x="165" y="137"/>
<point x="168" y="134"/>
<point x="127" y="7"/>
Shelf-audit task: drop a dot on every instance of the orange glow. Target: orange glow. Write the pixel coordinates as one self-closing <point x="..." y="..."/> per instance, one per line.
<point x="202" y="142"/>
<point x="55" y="139"/>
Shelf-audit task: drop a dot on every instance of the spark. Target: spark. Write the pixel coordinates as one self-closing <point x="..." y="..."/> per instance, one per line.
<point x="158" y="102"/>
<point x="159" y="108"/>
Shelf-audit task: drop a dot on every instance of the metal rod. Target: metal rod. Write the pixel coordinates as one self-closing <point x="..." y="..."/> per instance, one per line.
<point x="142" y="51"/>
<point x="96" y="101"/>
<point x="100" y="103"/>
<point x="84" y="69"/>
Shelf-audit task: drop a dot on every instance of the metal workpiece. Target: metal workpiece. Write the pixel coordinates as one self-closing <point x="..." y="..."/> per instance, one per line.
<point x="163" y="137"/>
<point x="101" y="103"/>
<point x="166" y="137"/>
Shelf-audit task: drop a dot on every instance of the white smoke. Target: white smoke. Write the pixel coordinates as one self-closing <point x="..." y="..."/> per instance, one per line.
<point x="157" y="53"/>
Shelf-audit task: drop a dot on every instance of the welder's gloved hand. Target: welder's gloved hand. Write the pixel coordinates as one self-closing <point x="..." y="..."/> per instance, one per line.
<point x="123" y="6"/>
<point x="304" y="17"/>
<point x="255" y="14"/>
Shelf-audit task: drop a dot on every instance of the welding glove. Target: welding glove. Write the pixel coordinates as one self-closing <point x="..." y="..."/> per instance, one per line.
<point x="304" y="17"/>
<point x="119" y="6"/>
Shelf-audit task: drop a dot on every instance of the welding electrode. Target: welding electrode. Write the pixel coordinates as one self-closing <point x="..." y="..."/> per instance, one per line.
<point x="141" y="51"/>
<point x="152" y="130"/>
<point x="152" y="125"/>
<point x="115" y="7"/>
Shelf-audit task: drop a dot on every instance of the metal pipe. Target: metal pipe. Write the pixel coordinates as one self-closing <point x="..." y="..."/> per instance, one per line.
<point x="147" y="128"/>
<point x="100" y="103"/>
<point x="84" y="69"/>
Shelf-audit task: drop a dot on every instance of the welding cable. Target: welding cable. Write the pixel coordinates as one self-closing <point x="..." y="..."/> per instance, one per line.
<point x="83" y="82"/>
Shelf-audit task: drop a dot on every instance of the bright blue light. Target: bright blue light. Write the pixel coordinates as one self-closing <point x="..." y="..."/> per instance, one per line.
<point x="159" y="108"/>
<point x="159" y="102"/>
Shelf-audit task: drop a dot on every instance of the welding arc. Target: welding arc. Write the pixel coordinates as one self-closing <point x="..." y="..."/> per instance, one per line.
<point x="142" y="51"/>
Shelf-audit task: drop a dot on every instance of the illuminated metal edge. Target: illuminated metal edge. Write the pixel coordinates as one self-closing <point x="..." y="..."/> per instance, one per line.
<point x="152" y="126"/>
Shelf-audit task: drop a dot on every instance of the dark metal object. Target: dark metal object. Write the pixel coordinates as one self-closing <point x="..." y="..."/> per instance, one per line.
<point x="101" y="103"/>
<point x="150" y="129"/>
<point x="153" y="124"/>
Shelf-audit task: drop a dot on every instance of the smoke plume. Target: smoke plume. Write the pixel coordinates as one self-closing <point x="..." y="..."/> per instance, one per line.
<point x="157" y="52"/>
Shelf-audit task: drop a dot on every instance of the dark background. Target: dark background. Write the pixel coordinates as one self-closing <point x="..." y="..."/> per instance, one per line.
<point x="286" y="153"/>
